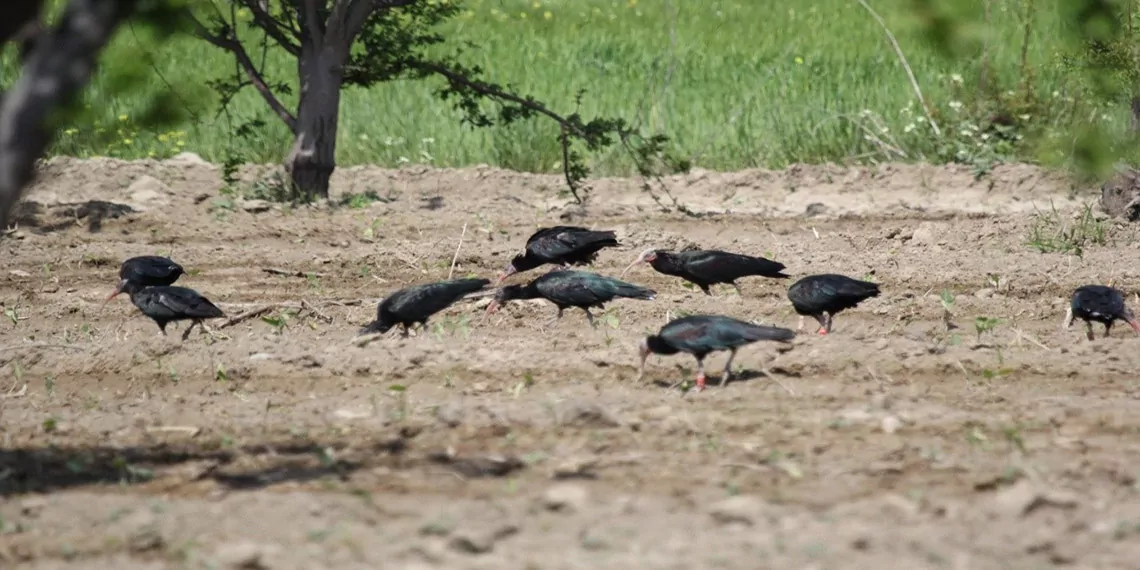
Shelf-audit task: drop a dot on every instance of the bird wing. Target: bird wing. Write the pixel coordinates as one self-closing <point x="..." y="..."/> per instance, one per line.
<point x="722" y="265"/>
<point x="420" y="302"/>
<point x="562" y="241"/>
<point x="187" y="302"/>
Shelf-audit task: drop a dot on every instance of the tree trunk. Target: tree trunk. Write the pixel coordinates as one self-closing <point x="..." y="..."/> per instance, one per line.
<point x="312" y="159"/>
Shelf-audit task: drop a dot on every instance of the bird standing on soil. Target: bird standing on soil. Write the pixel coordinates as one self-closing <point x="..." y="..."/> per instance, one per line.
<point x="824" y="296"/>
<point x="165" y="304"/>
<point x="1101" y="304"/>
<point x="572" y="289"/>
<point x="560" y="245"/>
<point x="708" y="267"/>
<point x="417" y="303"/>
<point x="146" y="271"/>
<point x="700" y="335"/>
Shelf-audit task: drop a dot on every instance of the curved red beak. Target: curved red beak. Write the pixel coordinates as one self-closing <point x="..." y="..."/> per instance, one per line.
<point x="115" y="293"/>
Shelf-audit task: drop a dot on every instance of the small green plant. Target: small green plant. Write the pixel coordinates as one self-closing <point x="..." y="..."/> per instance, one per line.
<point x="1052" y="233"/>
<point x="12" y="315"/>
<point x="49" y="385"/>
<point x="359" y="201"/>
<point x="984" y="325"/>
<point x="51" y="425"/>
<point x="278" y="322"/>
<point x="220" y="373"/>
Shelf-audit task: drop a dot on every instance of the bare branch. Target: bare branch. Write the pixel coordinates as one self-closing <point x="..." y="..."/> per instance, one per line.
<point x="59" y="65"/>
<point x="235" y="47"/>
<point x="484" y="88"/>
<point x="358" y="11"/>
<point x="272" y="27"/>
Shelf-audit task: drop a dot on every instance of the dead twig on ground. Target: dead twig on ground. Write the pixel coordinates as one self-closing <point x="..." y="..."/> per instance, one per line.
<point x="42" y="345"/>
<point x="307" y="306"/>
<point x="364" y="339"/>
<point x="13" y="393"/>
<point x="778" y="383"/>
<point x="287" y="273"/>
<point x="189" y="430"/>
<point x="250" y="314"/>
<point x="455" y="257"/>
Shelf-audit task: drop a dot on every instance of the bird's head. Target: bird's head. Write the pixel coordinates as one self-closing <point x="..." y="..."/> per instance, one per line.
<point x="502" y="296"/>
<point x="511" y="269"/>
<point x="376" y="326"/>
<point x="125" y="286"/>
<point x="647" y="256"/>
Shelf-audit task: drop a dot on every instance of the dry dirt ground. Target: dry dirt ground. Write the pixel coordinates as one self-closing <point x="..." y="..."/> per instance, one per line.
<point x="895" y="442"/>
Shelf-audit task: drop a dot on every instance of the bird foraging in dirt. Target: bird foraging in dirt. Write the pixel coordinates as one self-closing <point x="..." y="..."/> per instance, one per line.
<point x="700" y="335"/>
<point x="560" y="245"/>
<point x="1101" y="304"/>
<point x="824" y="296"/>
<point x="417" y="303"/>
<point x="166" y="304"/>
<point x="146" y="271"/>
<point x="572" y="289"/>
<point x="709" y="267"/>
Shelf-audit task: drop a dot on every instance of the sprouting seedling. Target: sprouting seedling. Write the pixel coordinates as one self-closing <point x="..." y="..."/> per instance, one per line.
<point x="314" y="281"/>
<point x="994" y="279"/>
<point x="12" y="315"/>
<point x="947" y="299"/>
<point x="983" y="325"/>
<point x="220" y="373"/>
<point x="611" y="320"/>
<point x="277" y="321"/>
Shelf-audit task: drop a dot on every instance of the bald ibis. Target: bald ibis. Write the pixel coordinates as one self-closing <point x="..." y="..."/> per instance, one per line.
<point x="708" y="267"/>
<point x="1101" y="304"/>
<point x="146" y="271"/>
<point x="165" y="304"/>
<point x="417" y="303"/>
<point x="700" y="335"/>
<point x="560" y="245"/>
<point x="824" y="296"/>
<point x="572" y="289"/>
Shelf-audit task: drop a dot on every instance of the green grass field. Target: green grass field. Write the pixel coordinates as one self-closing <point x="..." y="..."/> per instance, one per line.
<point x="735" y="84"/>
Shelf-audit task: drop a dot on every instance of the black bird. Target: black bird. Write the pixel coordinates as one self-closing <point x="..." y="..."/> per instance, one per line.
<point x="824" y="296"/>
<point x="700" y="335"/>
<point x="417" y="303"/>
<point x="165" y="304"/>
<point x="146" y="271"/>
<point x="572" y="289"/>
<point x="560" y="245"/>
<point x="1101" y="304"/>
<point x="709" y="267"/>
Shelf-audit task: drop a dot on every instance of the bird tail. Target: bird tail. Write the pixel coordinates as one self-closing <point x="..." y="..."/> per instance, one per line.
<point x="631" y="291"/>
<point x="860" y="289"/>
<point x="768" y="268"/>
<point x="603" y="238"/>
<point x="471" y="285"/>
<point x="763" y="332"/>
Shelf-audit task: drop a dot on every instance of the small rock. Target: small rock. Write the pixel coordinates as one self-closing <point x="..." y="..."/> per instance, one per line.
<point x="924" y="234"/>
<point x="257" y="357"/>
<point x="1024" y="497"/>
<point x="565" y="497"/>
<point x="891" y="424"/>
<point x="19" y="273"/>
<point x="741" y="509"/>
<point x="984" y="293"/>
<point x="450" y="415"/>
<point x="656" y="414"/>
<point x="480" y="540"/>
<point x="589" y="414"/>
<point x="242" y="556"/>
<point x="187" y="158"/>
<point x="575" y="467"/>
<point x="145" y="539"/>
<point x="256" y="206"/>
<point x="147" y="190"/>
<point x="32" y="506"/>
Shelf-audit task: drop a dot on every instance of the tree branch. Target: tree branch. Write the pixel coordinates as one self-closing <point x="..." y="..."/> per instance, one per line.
<point x="59" y="65"/>
<point x="311" y="23"/>
<point x="272" y="27"/>
<point x="484" y="88"/>
<point x="358" y="11"/>
<point x="235" y="47"/>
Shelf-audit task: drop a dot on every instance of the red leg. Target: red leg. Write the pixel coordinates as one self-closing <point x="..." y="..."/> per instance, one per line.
<point x="700" y="381"/>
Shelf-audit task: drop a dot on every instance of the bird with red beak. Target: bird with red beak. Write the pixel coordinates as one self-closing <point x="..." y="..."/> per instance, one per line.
<point x="560" y="245"/>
